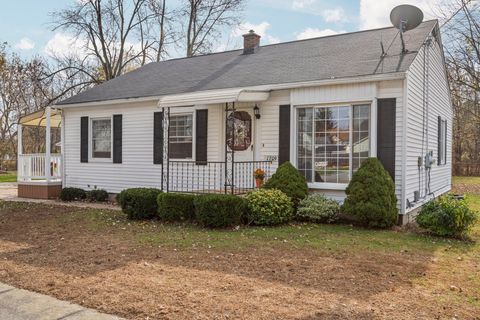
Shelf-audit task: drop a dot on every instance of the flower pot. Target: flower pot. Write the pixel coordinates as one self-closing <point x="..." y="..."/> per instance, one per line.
<point x="258" y="182"/>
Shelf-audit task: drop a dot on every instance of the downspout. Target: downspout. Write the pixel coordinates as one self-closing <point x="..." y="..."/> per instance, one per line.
<point x="403" y="209"/>
<point x="62" y="150"/>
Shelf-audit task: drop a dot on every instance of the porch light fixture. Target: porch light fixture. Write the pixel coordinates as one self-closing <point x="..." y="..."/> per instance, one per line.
<point x="256" y="112"/>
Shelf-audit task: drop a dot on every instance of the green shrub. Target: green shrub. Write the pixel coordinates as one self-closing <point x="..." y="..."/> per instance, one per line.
<point x="176" y="206"/>
<point x="97" y="195"/>
<point x="446" y="216"/>
<point x="219" y="210"/>
<point x="72" y="194"/>
<point x="139" y="203"/>
<point x="371" y="196"/>
<point x="288" y="180"/>
<point x="268" y="207"/>
<point x="318" y="208"/>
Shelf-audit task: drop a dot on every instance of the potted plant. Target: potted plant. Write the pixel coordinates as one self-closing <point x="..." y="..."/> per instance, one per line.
<point x="259" y="175"/>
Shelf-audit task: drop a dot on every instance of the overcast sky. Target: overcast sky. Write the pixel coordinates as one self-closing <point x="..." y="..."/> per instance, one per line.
<point x="25" y="23"/>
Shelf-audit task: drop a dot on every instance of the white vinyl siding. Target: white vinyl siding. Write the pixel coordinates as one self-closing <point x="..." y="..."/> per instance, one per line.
<point x="439" y="105"/>
<point x="137" y="168"/>
<point x="267" y="127"/>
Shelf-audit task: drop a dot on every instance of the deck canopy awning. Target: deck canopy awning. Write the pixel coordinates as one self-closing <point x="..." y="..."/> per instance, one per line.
<point x="39" y="119"/>
<point x="212" y="97"/>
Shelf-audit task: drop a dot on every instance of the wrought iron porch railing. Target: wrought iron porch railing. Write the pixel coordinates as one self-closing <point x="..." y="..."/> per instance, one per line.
<point x="209" y="177"/>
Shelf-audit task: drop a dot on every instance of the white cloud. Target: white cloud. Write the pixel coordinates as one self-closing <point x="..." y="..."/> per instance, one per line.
<point x="260" y="29"/>
<point x="315" y="33"/>
<point x="375" y="14"/>
<point x="25" y="44"/>
<point x="301" y="4"/>
<point x="62" y="44"/>
<point x="334" y="15"/>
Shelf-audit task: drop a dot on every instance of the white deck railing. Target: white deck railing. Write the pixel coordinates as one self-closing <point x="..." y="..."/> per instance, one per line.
<point x="31" y="167"/>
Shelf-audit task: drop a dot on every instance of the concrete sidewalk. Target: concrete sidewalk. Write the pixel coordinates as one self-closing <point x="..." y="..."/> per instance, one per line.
<point x="20" y="304"/>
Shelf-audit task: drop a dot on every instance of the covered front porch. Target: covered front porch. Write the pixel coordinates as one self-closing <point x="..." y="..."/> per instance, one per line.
<point x="39" y="175"/>
<point x="231" y="167"/>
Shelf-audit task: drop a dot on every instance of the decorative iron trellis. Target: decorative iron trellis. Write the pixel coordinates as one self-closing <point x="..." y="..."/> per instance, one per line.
<point x="229" y="153"/>
<point x="166" y="143"/>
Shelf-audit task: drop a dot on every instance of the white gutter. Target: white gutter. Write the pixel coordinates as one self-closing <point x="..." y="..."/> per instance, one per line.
<point x="107" y="102"/>
<point x="270" y="87"/>
<point x="213" y="96"/>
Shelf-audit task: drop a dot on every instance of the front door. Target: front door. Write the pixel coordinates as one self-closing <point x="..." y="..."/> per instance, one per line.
<point x="242" y="141"/>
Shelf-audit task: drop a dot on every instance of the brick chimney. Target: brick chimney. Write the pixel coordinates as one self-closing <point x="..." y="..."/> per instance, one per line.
<point x="251" y="42"/>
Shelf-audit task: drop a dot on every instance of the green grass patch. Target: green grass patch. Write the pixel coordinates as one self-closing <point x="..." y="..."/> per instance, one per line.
<point x="466" y="180"/>
<point x="10" y="176"/>
<point x="324" y="237"/>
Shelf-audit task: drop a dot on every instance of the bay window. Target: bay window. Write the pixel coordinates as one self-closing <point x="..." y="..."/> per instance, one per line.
<point x="101" y="138"/>
<point x="181" y="136"/>
<point x="332" y="142"/>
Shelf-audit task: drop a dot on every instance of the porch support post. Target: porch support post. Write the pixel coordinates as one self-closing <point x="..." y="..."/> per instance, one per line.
<point x="229" y="153"/>
<point x="19" y="151"/>
<point x="166" y="144"/>
<point x="62" y="149"/>
<point x="19" y="139"/>
<point x="48" y="112"/>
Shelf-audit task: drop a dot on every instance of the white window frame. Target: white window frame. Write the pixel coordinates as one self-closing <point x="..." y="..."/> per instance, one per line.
<point x="90" y="140"/>
<point x="183" y="113"/>
<point x="372" y="137"/>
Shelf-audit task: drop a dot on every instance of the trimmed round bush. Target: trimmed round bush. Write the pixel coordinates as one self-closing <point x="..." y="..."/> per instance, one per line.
<point x="72" y="194"/>
<point x="139" y="203"/>
<point x="97" y="195"/>
<point x="219" y="210"/>
<point x="371" y="196"/>
<point x="288" y="180"/>
<point x="176" y="206"/>
<point x="447" y="217"/>
<point x="268" y="207"/>
<point x="318" y="208"/>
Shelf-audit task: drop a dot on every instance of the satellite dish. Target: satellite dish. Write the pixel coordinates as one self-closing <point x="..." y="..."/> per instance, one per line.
<point x="406" y="17"/>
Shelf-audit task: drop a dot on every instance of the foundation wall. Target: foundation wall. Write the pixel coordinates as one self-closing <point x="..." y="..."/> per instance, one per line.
<point x="33" y="191"/>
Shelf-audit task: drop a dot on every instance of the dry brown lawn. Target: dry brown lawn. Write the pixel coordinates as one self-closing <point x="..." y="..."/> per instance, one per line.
<point x="150" y="270"/>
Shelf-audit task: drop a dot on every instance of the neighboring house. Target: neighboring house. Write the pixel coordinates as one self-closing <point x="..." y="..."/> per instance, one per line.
<point x="324" y="104"/>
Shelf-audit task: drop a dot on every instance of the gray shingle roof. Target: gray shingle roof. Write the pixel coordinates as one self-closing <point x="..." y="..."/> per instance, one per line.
<point x="339" y="56"/>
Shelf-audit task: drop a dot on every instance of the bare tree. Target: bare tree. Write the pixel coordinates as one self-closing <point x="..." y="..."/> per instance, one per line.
<point x="117" y="35"/>
<point x="205" y="20"/>
<point x="461" y="32"/>
<point x="21" y="91"/>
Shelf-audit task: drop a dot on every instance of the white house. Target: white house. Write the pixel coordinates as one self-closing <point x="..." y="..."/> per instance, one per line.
<point x="204" y="124"/>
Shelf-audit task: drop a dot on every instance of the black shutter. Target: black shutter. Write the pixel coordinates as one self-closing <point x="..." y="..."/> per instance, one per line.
<point x="445" y="143"/>
<point x="439" y="140"/>
<point x="284" y="135"/>
<point x="84" y="139"/>
<point x="386" y="109"/>
<point x="117" y="138"/>
<point x="158" y="137"/>
<point x="201" y="129"/>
